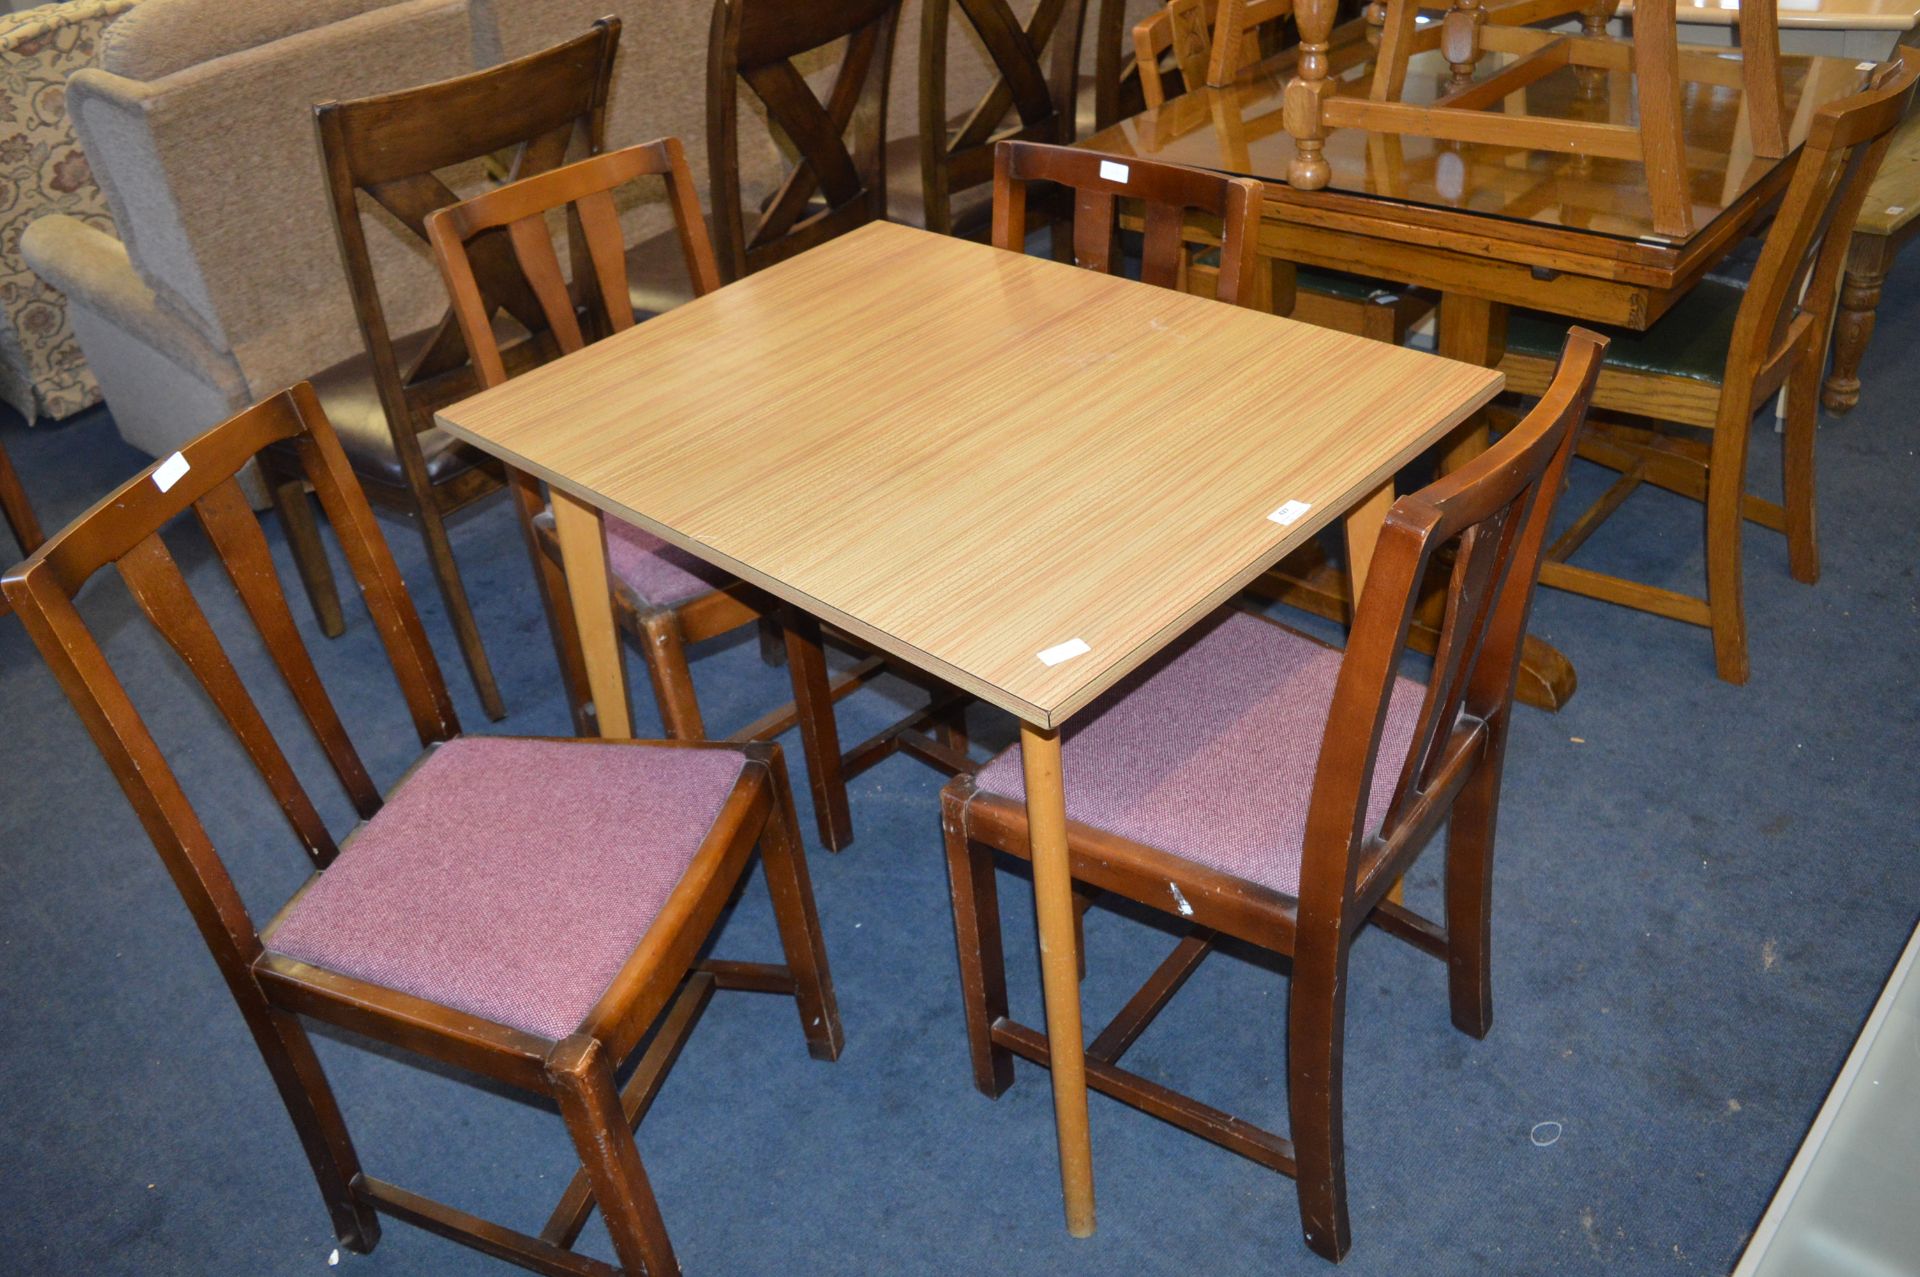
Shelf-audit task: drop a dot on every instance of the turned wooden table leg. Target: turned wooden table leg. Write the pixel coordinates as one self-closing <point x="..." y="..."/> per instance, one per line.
<point x="583" y="552"/>
<point x="1460" y="41"/>
<point x="1059" y="968"/>
<point x="1853" y="326"/>
<point x="1308" y="170"/>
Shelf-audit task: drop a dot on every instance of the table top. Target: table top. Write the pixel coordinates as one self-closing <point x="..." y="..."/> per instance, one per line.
<point x="1238" y="130"/>
<point x="980" y="462"/>
<point x="1821" y="15"/>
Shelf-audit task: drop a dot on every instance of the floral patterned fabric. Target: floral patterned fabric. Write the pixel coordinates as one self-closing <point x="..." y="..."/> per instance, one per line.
<point x="42" y="171"/>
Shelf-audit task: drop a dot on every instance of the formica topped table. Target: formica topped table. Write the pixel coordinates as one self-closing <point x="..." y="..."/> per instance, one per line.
<point x="1020" y="477"/>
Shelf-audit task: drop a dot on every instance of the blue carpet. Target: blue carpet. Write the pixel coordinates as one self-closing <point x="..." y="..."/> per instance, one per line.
<point x="1700" y="889"/>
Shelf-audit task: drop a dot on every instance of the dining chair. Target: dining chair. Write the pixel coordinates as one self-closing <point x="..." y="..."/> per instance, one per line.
<point x="388" y="161"/>
<point x="664" y="598"/>
<point x="1254" y="783"/>
<point x="1166" y="193"/>
<point x="525" y="909"/>
<point x="1032" y="98"/>
<point x="17" y="512"/>
<point x="1209" y="42"/>
<point x="1714" y="360"/>
<point x="838" y="181"/>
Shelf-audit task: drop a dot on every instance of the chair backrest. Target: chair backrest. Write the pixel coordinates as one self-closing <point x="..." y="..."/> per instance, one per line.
<point x="1492" y="515"/>
<point x="124" y="530"/>
<point x="1189" y="30"/>
<point x="520" y="209"/>
<point x="1168" y="192"/>
<point x="1790" y="296"/>
<point x="395" y="148"/>
<point x="837" y="142"/>
<point x="198" y="125"/>
<point x="1037" y="73"/>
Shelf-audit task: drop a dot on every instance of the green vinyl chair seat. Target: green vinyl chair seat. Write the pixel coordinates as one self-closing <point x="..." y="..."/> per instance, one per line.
<point x="1333" y="283"/>
<point x="1689" y="341"/>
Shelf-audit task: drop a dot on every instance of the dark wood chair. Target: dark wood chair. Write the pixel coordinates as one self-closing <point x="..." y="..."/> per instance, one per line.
<point x="664" y="598"/>
<point x="1715" y="359"/>
<point x="1032" y="98"/>
<point x="1166" y="193"/>
<point x="838" y="181"/>
<point x="17" y="512"/>
<point x="424" y="932"/>
<point x="397" y="150"/>
<point x="1192" y="789"/>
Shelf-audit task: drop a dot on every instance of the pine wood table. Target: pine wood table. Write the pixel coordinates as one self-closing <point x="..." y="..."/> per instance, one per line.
<point x="1486" y="226"/>
<point x="1019" y="477"/>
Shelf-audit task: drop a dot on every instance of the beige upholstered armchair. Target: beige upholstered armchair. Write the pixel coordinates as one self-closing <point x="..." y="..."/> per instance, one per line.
<point x="224" y="284"/>
<point x="43" y="171"/>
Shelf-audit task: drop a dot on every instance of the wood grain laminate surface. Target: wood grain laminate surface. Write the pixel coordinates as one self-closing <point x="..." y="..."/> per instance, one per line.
<point x="903" y="433"/>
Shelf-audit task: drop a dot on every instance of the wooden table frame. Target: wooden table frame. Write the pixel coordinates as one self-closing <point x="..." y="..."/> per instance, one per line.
<point x="1660" y="68"/>
<point x="743" y="442"/>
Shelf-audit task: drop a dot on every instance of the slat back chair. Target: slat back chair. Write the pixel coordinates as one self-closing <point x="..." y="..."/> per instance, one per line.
<point x="18" y="513"/>
<point x="396" y="151"/>
<point x="1168" y="193"/>
<point x="302" y="963"/>
<point x="1775" y="332"/>
<point x="1187" y="32"/>
<point x="664" y="621"/>
<point x="1032" y="97"/>
<point x="1396" y="761"/>
<point x="837" y="182"/>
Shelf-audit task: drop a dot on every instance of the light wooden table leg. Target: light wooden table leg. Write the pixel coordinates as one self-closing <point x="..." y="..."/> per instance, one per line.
<point x="1363" y="524"/>
<point x="1059" y="969"/>
<point x="583" y="552"/>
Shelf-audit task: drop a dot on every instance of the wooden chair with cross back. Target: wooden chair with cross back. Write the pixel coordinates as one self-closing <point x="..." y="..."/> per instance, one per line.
<point x="1193" y="788"/>
<point x="423" y="930"/>
<point x="1031" y="98"/>
<point x="390" y="159"/>
<point x="838" y="180"/>
<point x="1691" y="384"/>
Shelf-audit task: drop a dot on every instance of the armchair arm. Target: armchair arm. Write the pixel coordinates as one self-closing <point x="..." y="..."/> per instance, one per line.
<point x="91" y="268"/>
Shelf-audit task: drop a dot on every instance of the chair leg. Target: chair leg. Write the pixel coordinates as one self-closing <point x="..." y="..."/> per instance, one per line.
<point x="1316" y="1026"/>
<point x="1803" y="420"/>
<point x="666" y="653"/>
<point x="799" y="922"/>
<point x="983" y="967"/>
<point x="557" y="599"/>
<point x="773" y="642"/>
<point x="1469" y="899"/>
<point x="1726" y="485"/>
<point x="583" y="1083"/>
<point x="296" y="1071"/>
<point x="309" y="554"/>
<point x="433" y="529"/>
<point x="15" y="508"/>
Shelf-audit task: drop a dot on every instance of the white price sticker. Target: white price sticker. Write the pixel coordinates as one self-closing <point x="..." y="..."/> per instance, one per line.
<point x="1289" y="512"/>
<point x="170" y="472"/>
<point x="1064" y="651"/>
<point x="1112" y="172"/>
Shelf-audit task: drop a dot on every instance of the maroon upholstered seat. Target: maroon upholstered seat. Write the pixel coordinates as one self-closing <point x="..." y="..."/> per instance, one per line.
<point x="656" y="572"/>
<point x="511" y="877"/>
<point x="1210" y="754"/>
